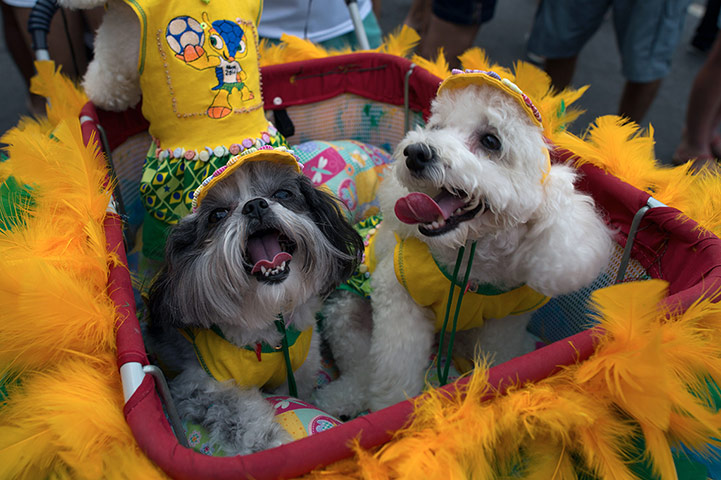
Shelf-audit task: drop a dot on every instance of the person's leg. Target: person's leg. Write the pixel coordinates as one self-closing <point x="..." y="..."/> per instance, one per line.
<point x="453" y="25"/>
<point x="637" y="98"/>
<point x="707" y="28"/>
<point x="455" y="39"/>
<point x="418" y="16"/>
<point x="647" y="34"/>
<point x="703" y="112"/>
<point x="561" y="71"/>
<point x="560" y="30"/>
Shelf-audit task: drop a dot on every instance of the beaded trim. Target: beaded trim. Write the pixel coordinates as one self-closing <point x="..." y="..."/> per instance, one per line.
<point x="219" y="151"/>
<point x="237" y="159"/>
<point x="509" y="85"/>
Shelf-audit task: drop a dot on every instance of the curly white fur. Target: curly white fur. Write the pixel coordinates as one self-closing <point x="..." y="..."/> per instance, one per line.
<point x="112" y="81"/>
<point x="533" y="228"/>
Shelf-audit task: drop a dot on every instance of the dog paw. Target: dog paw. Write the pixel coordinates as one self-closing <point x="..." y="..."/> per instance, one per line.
<point x="340" y="399"/>
<point x="241" y="438"/>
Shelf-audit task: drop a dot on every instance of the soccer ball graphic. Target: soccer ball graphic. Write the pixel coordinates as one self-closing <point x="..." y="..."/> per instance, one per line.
<point x="183" y="31"/>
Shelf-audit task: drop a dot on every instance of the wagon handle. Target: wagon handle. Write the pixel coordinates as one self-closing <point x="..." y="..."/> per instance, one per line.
<point x="635" y="223"/>
<point x="39" y="25"/>
<point x="360" y="31"/>
<point x="406" y="97"/>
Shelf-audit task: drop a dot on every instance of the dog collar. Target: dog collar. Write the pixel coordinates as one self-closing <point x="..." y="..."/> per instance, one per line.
<point x="261" y="154"/>
<point x="460" y="79"/>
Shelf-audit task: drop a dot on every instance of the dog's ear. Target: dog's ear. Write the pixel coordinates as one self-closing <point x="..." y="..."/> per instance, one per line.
<point x="163" y="306"/>
<point x="328" y="216"/>
<point x="569" y="243"/>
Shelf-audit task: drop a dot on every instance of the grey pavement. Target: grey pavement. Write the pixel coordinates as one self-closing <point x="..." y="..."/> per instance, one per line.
<point x="504" y="39"/>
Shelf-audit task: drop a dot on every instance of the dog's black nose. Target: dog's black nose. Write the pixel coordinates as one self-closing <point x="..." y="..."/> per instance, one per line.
<point x="418" y="156"/>
<point x="255" y="208"/>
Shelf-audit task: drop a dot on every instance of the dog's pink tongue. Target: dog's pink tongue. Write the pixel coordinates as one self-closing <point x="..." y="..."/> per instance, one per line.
<point x="420" y="208"/>
<point x="264" y="251"/>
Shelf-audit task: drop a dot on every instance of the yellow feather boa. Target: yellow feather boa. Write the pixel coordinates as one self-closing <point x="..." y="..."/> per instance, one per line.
<point x="63" y="418"/>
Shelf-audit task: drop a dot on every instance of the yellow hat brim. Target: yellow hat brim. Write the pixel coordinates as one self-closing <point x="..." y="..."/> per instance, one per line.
<point x="461" y="80"/>
<point x="284" y="157"/>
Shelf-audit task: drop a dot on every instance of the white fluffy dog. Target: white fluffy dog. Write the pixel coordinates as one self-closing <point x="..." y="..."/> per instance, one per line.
<point x="112" y="80"/>
<point x="478" y="172"/>
<point x="261" y="245"/>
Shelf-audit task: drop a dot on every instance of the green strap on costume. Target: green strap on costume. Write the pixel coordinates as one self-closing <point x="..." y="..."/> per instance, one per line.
<point x="262" y="366"/>
<point x="443" y="372"/>
<point x="280" y="325"/>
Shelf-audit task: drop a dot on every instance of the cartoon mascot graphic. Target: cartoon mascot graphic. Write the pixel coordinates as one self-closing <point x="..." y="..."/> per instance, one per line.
<point x="218" y="45"/>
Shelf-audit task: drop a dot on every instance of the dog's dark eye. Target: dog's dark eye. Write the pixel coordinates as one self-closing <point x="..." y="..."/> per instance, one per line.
<point x="491" y="142"/>
<point x="282" y="194"/>
<point x="217" y="215"/>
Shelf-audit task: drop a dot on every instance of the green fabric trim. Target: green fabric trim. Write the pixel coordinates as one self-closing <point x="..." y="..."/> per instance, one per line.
<point x="144" y="33"/>
<point x="291" y="332"/>
<point x="155" y="233"/>
<point x="15" y="199"/>
<point x="290" y="377"/>
<point x="530" y="309"/>
<point x="486" y="289"/>
<point x="198" y="355"/>
<point x="7" y="380"/>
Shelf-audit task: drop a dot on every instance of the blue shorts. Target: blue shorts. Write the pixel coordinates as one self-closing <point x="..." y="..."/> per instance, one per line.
<point x="464" y="12"/>
<point x="647" y="32"/>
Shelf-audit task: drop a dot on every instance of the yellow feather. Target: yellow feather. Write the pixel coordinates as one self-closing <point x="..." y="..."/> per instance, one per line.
<point x="400" y="42"/>
<point x="69" y="417"/>
<point x="299" y="49"/>
<point x="63" y="418"/>
<point x="475" y="58"/>
<point x="438" y="67"/>
<point x="65" y="99"/>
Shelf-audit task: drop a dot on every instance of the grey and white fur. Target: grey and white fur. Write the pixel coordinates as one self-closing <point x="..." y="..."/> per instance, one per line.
<point x="209" y="279"/>
<point x="482" y="154"/>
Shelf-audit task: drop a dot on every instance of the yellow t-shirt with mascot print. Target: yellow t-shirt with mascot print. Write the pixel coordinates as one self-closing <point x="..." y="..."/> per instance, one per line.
<point x="200" y="78"/>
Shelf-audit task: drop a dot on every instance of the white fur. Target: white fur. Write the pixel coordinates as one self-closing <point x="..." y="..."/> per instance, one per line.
<point x="112" y="81"/>
<point x="536" y="229"/>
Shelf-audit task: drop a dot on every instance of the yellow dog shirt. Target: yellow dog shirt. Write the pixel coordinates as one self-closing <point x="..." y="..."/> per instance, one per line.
<point x="248" y="368"/>
<point x="428" y="285"/>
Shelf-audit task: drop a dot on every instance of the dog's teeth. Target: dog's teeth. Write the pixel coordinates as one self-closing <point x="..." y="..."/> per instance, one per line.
<point x="282" y="266"/>
<point x="458" y="211"/>
<point x="434" y="225"/>
<point x="441" y="222"/>
<point x="264" y="270"/>
<point x="473" y="203"/>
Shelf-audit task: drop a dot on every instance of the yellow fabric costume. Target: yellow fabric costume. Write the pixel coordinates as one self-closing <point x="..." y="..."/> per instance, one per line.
<point x="418" y="272"/>
<point x="225" y="361"/>
<point x="200" y="61"/>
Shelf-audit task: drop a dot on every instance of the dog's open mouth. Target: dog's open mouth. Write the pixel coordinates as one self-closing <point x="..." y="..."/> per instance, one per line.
<point x="268" y="255"/>
<point x="440" y="214"/>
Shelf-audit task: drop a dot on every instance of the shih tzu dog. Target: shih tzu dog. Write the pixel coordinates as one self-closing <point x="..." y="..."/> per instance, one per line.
<point x="477" y="176"/>
<point x="245" y="274"/>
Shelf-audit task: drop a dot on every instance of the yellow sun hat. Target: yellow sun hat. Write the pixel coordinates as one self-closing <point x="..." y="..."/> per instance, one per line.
<point x="461" y="78"/>
<point x="266" y="153"/>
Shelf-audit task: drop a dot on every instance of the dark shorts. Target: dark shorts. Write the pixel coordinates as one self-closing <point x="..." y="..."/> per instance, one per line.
<point x="464" y="12"/>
